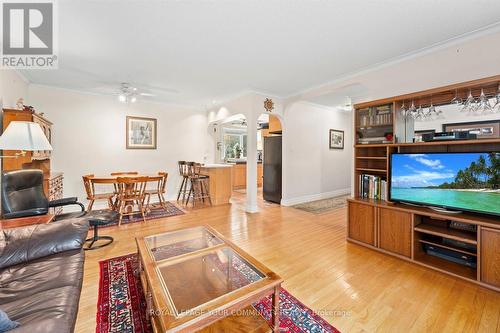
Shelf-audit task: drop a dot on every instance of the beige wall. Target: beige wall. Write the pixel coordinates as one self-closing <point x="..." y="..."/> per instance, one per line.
<point x="12" y="86"/>
<point x="89" y="136"/>
<point x="311" y="170"/>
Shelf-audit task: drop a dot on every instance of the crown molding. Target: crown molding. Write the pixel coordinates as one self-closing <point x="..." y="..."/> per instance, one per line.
<point x="22" y="76"/>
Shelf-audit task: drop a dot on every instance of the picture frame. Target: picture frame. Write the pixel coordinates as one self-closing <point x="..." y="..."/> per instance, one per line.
<point x="336" y="139"/>
<point x="141" y="133"/>
<point x="488" y="129"/>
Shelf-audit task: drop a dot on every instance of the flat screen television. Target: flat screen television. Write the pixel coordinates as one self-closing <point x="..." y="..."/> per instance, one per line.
<point x="450" y="181"/>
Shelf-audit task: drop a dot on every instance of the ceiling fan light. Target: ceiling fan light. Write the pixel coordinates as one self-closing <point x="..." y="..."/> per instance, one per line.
<point x="122" y="98"/>
<point x="133" y="99"/>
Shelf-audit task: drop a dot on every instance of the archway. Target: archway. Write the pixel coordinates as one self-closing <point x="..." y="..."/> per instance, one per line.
<point x="264" y="171"/>
<point x="231" y="145"/>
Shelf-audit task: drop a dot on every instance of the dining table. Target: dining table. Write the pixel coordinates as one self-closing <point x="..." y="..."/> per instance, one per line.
<point x="113" y="179"/>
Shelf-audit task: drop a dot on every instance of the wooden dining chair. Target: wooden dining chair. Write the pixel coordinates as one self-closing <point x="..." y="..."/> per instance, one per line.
<point x="131" y="192"/>
<point x="89" y="182"/>
<point x="122" y="173"/>
<point x="159" y="191"/>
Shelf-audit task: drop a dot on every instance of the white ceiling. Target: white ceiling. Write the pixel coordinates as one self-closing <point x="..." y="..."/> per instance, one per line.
<point x="205" y="50"/>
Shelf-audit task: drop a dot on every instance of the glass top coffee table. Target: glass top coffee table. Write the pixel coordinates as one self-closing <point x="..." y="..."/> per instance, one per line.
<point x="196" y="280"/>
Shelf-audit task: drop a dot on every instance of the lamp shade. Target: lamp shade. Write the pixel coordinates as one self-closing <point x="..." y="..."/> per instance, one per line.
<point x="24" y="135"/>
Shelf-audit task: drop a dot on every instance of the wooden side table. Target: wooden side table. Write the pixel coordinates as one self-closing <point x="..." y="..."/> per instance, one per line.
<point x="25" y="221"/>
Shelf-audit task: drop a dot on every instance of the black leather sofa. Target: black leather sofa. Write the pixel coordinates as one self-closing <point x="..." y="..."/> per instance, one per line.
<point x="41" y="273"/>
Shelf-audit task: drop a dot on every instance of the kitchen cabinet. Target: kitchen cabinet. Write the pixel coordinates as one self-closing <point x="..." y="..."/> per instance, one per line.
<point x="240" y="176"/>
<point x="274" y="124"/>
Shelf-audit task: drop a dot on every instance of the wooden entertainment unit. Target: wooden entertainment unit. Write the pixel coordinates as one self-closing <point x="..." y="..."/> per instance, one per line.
<point x="400" y="230"/>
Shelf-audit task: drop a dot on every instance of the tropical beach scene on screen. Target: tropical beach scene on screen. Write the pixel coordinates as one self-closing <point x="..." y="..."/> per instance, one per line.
<point x="461" y="181"/>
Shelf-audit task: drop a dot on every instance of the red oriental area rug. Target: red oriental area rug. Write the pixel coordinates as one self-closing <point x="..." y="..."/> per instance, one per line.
<point x="121" y="306"/>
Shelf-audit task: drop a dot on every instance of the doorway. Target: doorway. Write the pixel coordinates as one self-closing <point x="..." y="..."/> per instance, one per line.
<point x="232" y="147"/>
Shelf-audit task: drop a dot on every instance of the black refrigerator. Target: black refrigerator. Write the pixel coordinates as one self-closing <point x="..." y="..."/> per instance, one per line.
<point x="272" y="168"/>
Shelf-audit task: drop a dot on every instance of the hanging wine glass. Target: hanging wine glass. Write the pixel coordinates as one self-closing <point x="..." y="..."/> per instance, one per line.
<point x="420" y="112"/>
<point x="439" y="114"/>
<point x="403" y="111"/>
<point x="456" y="100"/>
<point x="413" y="110"/>
<point x="431" y="111"/>
<point x="483" y="103"/>
<point x="497" y="99"/>
<point x="470" y="103"/>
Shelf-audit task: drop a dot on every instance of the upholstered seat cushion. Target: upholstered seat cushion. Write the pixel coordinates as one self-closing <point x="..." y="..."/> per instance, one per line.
<point x="24" y="280"/>
<point x="101" y="217"/>
<point x="43" y="295"/>
<point x="21" y="245"/>
<point x="52" y="310"/>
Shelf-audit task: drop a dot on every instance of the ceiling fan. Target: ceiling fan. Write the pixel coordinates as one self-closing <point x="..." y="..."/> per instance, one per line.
<point x="128" y="93"/>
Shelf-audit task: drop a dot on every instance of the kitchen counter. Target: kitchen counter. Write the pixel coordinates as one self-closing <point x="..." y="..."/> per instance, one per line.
<point x="219" y="183"/>
<point x="215" y="165"/>
<point x="241" y="162"/>
<point x="240" y="175"/>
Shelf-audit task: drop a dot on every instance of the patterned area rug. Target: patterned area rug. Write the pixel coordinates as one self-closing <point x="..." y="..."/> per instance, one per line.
<point x="121" y="306"/>
<point x="323" y="206"/>
<point x="155" y="213"/>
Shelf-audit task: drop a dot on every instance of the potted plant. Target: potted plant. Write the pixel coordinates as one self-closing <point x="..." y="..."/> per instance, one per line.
<point x="237" y="150"/>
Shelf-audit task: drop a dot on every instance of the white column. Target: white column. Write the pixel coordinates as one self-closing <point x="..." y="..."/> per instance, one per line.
<point x="251" y="164"/>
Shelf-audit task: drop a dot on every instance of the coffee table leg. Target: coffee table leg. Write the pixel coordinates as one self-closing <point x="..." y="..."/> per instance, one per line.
<point x="276" y="309"/>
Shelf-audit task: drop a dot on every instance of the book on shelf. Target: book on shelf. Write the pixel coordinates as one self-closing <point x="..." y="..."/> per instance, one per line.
<point x="374" y="118"/>
<point x="378" y="139"/>
<point x="372" y="187"/>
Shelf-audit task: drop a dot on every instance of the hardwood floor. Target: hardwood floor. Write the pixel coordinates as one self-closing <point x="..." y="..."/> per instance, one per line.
<point x="354" y="288"/>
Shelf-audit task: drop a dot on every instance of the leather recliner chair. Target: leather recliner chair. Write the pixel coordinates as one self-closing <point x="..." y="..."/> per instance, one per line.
<point x="23" y="195"/>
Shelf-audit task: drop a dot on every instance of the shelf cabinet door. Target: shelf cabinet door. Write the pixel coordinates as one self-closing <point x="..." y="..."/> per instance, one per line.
<point x="395" y="231"/>
<point x="490" y="256"/>
<point x="361" y="226"/>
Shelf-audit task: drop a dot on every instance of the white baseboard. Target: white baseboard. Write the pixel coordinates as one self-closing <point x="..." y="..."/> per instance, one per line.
<point x="314" y="197"/>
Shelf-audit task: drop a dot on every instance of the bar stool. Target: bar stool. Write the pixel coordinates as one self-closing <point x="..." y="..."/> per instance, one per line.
<point x="199" y="189"/>
<point x="184" y="173"/>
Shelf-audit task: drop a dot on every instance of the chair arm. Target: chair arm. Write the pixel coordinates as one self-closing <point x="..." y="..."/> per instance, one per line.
<point x="66" y="202"/>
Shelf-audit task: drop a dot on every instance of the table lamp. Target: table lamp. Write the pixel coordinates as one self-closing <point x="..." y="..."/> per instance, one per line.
<point x="23" y="136"/>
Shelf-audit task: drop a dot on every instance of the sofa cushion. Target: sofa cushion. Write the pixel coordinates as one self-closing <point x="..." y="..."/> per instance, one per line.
<point x="26" y="279"/>
<point x="20" y="245"/>
<point x="52" y="310"/>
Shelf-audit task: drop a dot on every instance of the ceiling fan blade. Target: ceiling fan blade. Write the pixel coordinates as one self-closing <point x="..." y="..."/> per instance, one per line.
<point x="156" y="88"/>
<point x="147" y="94"/>
<point x="102" y="83"/>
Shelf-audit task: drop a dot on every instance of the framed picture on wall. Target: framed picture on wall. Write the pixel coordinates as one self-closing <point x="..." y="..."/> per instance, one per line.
<point x="141" y="133"/>
<point x="489" y="129"/>
<point x="336" y="139"/>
